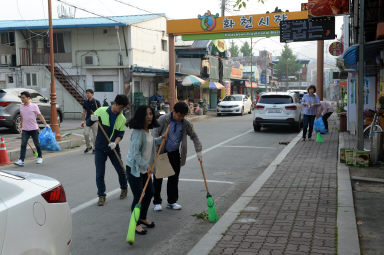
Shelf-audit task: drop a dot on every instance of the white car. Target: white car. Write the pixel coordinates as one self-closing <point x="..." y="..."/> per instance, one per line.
<point x="234" y="104"/>
<point x="276" y="109"/>
<point x="34" y="215"/>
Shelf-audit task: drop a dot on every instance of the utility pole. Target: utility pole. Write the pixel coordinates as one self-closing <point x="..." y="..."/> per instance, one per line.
<point x="286" y="74"/>
<point x="251" y="73"/>
<point x="360" y="84"/>
<point x="320" y="69"/>
<point x="222" y="8"/>
<point x="54" y="125"/>
<point x="172" y="85"/>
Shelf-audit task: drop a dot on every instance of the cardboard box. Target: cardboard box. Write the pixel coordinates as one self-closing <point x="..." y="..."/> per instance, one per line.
<point x="349" y="157"/>
<point x="361" y="158"/>
<point x="342" y="155"/>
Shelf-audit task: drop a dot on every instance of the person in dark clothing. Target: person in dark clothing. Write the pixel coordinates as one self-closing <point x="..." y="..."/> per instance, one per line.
<point x="90" y="105"/>
<point x="113" y="122"/>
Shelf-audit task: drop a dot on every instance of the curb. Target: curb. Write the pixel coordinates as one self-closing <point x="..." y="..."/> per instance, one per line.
<point x="209" y="240"/>
<point x="67" y="144"/>
<point x="348" y="240"/>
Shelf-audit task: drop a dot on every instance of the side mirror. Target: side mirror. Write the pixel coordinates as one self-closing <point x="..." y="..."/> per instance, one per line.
<point x="44" y="100"/>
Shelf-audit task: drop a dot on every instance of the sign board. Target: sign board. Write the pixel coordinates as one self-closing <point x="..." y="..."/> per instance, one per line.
<point x="319" y="8"/>
<point x="231" y="35"/>
<point x="212" y="24"/>
<point x="336" y="48"/>
<point x="307" y="29"/>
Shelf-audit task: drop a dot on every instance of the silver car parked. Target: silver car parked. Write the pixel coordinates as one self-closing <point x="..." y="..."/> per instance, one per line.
<point x="10" y="107"/>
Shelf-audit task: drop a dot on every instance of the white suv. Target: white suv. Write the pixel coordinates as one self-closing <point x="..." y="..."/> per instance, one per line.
<point x="276" y="109"/>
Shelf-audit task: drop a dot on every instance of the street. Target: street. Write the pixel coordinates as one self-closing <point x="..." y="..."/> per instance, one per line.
<point x="233" y="156"/>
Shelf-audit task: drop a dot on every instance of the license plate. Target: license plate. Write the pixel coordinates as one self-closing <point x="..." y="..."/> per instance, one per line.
<point x="274" y="111"/>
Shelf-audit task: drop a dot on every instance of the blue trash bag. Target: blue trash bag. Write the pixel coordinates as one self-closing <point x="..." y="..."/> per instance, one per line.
<point x="48" y="141"/>
<point x="319" y="125"/>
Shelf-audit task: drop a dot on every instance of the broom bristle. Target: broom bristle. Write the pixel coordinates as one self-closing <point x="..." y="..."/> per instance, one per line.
<point x="132" y="225"/>
<point x="212" y="215"/>
<point x="319" y="138"/>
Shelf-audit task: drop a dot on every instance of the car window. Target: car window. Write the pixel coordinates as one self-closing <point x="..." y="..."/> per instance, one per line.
<point x="36" y="97"/>
<point x="232" y="98"/>
<point x="276" y="99"/>
<point x="2" y="93"/>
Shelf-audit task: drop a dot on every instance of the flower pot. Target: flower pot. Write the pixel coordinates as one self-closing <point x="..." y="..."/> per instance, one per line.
<point x="343" y="122"/>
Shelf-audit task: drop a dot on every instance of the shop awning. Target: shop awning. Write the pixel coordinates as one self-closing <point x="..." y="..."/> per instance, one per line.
<point x="248" y="84"/>
<point x="192" y="80"/>
<point x="213" y="85"/>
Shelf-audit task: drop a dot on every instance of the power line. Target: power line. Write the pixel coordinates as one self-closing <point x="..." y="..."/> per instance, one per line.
<point x="106" y="17"/>
<point x="133" y="6"/>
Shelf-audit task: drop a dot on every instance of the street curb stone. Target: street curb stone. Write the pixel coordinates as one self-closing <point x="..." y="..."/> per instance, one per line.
<point x="209" y="240"/>
<point x="348" y="240"/>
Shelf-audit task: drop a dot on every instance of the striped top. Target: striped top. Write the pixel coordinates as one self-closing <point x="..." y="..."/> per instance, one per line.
<point x="311" y="100"/>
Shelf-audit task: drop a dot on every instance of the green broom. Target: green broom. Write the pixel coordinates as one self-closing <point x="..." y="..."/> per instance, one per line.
<point x="212" y="215"/>
<point x="136" y="211"/>
<point x="319" y="138"/>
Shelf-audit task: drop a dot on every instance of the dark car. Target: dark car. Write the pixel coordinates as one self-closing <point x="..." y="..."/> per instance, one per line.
<point x="10" y="107"/>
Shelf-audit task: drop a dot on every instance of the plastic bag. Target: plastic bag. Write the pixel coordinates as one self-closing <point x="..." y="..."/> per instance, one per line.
<point x="319" y="125"/>
<point x="48" y="141"/>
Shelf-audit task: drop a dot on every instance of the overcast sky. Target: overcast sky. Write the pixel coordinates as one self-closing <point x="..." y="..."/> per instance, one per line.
<point x="174" y="9"/>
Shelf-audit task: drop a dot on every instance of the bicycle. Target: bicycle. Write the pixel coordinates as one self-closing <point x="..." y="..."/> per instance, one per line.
<point x="370" y="130"/>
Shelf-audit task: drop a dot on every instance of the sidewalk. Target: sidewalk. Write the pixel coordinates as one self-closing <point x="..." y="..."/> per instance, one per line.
<point x="294" y="211"/>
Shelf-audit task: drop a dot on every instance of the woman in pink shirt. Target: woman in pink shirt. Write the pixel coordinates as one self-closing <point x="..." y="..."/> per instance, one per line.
<point x="28" y="112"/>
<point x="325" y="110"/>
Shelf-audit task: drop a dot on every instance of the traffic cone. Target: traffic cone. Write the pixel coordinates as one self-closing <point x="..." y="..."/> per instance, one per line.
<point x="4" y="159"/>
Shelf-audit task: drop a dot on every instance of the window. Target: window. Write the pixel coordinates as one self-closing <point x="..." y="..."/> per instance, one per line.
<point x="7" y="38"/>
<point x="10" y="79"/>
<point x="276" y="99"/>
<point x="103" y="86"/>
<point x="31" y="79"/>
<point x="61" y="42"/>
<point x="164" y="45"/>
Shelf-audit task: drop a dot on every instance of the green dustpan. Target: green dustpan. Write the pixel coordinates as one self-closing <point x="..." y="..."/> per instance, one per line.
<point x="212" y="215"/>
<point x="319" y="138"/>
<point x="132" y="225"/>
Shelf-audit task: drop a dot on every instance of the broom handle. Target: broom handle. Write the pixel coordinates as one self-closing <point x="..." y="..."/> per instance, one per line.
<point x="114" y="150"/>
<point x="205" y="180"/>
<point x="154" y="163"/>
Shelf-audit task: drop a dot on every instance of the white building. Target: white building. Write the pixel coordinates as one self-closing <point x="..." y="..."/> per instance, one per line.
<point x="111" y="55"/>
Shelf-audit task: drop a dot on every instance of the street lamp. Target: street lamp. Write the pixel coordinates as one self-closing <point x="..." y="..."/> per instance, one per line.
<point x="54" y="124"/>
<point x="252" y="65"/>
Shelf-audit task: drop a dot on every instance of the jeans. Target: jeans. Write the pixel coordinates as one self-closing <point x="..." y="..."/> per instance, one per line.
<point x="137" y="185"/>
<point x="24" y="141"/>
<point x="173" y="181"/>
<point x="325" y="119"/>
<point x="100" y="159"/>
<point x="87" y="130"/>
<point x="308" y="120"/>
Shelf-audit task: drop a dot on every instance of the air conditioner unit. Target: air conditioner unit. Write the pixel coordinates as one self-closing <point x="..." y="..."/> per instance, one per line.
<point x="91" y="61"/>
<point x="178" y="67"/>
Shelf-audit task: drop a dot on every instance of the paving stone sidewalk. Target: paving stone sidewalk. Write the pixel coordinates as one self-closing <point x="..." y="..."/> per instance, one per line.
<point x="295" y="210"/>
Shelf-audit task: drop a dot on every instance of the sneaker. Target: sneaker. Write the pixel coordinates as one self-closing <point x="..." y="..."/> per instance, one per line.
<point x="123" y="194"/>
<point x="101" y="201"/>
<point x="157" y="208"/>
<point x="93" y="151"/>
<point x="303" y="139"/>
<point x="87" y="149"/>
<point x="19" y="163"/>
<point x="174" y="206"/>
<point x="39" y="161"/>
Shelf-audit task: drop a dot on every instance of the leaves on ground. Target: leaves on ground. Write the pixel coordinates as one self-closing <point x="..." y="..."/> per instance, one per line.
<point x="202" y="216"/>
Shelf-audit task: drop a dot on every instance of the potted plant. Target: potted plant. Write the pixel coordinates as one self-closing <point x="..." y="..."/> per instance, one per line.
<point x="368" y="115"/>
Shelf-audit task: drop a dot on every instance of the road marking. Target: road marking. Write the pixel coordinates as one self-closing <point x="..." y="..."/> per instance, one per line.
<point x="247" y="147"/>
<point x="200" y="180"/>
<point x="116" y="191"/>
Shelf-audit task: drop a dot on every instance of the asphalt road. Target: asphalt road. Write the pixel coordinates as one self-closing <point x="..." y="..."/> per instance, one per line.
<point x="233" y="156"/>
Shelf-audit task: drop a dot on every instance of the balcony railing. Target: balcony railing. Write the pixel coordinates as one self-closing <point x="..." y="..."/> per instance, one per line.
<point x="40" y="56"/>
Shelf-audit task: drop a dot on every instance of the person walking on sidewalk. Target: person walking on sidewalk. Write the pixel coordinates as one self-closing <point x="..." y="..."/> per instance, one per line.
<point x="90" y="105"/>
<point x="325" y="110"/>
<point x="310" y="103"/>
<point x="141" y="155"/>
<point x="176" y="148"/>
<point x="29" y="128"/>
<point x="113" y="122"/>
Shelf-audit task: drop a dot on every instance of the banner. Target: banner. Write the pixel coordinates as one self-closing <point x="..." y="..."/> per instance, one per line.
<point x="307" y="29"/>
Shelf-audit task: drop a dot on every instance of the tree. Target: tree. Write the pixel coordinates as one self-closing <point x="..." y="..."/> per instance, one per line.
<point x="287" y="60"/>
<point x="245" y="49"/>
<point x="243" y="3"/>
<point x="234" y="49"/>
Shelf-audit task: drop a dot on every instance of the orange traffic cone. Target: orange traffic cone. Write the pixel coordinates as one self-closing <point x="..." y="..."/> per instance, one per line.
<point x="4" y="159"/>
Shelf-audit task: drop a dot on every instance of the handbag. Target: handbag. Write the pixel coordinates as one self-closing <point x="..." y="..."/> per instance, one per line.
<point x="163" y="167"/>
